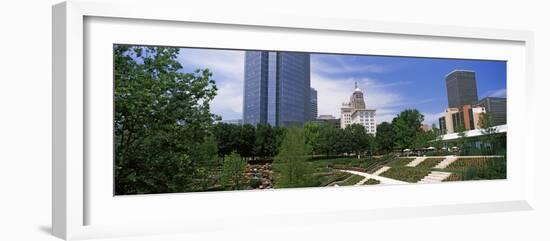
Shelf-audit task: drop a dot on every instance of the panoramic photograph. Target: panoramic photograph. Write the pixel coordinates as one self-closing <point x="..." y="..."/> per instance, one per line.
<point x="203" y="120"/>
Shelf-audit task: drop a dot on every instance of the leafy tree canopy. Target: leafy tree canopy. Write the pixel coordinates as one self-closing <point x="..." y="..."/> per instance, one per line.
<point x="162" y="117"/>
<point x="406" y="126"/>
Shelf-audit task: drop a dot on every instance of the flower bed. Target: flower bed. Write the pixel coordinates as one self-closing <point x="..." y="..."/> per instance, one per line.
<point x="430" y="162"/>
<point x="401" y="162"/>
<point x="454" y="177"/>
<point x="479" y="168"/>
<point x="478" y="162"/>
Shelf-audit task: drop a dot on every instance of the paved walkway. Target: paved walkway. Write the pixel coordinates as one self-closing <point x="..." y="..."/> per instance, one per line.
<point x="381" y="170"/>
<point x="383" y="180"/>
<point x="448" y="160"/>
<point x="416" y="161"/>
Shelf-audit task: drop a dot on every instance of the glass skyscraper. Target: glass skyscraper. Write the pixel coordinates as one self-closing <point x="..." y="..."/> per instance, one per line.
<point x="496" y="107"/>
<point x="461" y="88"/>
<point x="276" y="88"/>
<point x="313" y="100"/>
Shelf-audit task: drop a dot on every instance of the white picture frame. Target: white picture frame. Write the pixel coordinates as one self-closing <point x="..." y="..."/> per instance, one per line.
<point x="78" y="198"/>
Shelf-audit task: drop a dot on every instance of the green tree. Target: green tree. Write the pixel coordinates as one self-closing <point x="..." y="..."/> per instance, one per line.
<point x="372" y="146"/>
<point x="313" y="134"/>
<point x="357" y="138"/>
<point x="266" y="141"/>
<point x="324" y="141"/>
<point x="406" y="126"/>
<point x="424" y="138"/>
<point x="462" y="139"/>
<point x="489" y="132"/>
<point x="279" y="136"/>
<point x="233" y="176"/>
<point x="207" y="151"/>
<point x="438" y="142"/>
<point x="206" y="156"/>
<point x="291" y="163"/>
<point x="341" y="141"/>
<point x="227" y="137"/>
<point x="247" y="139"/>
<point x="385" y="137"/>
<point x="161" y="116"/>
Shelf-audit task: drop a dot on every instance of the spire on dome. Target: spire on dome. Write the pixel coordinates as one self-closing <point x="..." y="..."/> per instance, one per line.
<point x="357" y="88"/>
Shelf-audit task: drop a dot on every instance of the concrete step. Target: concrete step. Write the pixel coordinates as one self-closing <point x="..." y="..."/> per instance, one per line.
<point x="438" y="174"/>
<point x="429" y="181"/>
<point x="434" y="176"/>
<point x="416" y="161"/>
<point x="443" y="164"/>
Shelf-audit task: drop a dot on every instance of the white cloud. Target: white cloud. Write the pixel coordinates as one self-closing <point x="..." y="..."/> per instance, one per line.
<point x="224" y="63"/>
<point x="495" y="93"/>
<point x="227" y="67"/>
<point x="339" y="66"/>
<point x="432" y="118"/>
<point x="332" y="92"/>
<point x="334" y="79"/>
<point x="229" y="101"/>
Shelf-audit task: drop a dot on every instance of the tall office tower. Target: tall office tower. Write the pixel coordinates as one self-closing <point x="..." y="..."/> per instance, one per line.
<point x="313" y="100"/>
<point x="461" y="88"/>
<point x="496" y="107"/>
<point x="355" y="112"/>
<point x="276" y="88"/>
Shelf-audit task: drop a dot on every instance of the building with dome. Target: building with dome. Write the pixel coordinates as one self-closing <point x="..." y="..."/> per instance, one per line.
<point x="355" y="112"/>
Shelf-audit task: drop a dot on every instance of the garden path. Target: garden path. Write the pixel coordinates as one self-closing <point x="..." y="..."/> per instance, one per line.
<point x="383" y="180"/>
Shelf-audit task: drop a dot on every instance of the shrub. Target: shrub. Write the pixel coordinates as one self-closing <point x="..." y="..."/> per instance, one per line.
<point x="430" y="162"/>
<point x="453" y="177"/>
<point x="233" y="171"/>
<point x="255" y="182"/>
<point x="371" y="182"/>
<point x="480" y="168"/>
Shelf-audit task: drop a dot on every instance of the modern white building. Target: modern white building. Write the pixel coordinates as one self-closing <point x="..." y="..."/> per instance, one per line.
<point x="474" y="133"/>
<point x="355" y="112"/>
<point x="468" y="117"/>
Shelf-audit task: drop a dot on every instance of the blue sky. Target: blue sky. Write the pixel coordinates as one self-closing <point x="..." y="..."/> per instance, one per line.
<point x="390" y="84"/>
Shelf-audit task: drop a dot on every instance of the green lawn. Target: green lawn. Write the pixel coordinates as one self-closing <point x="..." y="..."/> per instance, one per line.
<point x="326" y="171"/>
<point x="407" y="174"/>
<point x="371" y="182"/>
<point x="401" y="162"/>
<point x="330" y="178"/>
<point x="347" y="162"/>
<point x="350" y="181"/>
